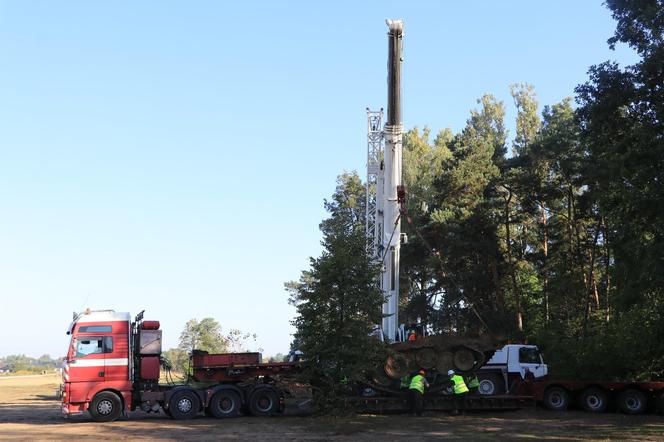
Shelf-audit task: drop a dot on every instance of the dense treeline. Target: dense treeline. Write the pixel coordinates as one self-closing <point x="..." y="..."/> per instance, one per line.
<point x="557" y="238"/>
<point x="23" y="363"/>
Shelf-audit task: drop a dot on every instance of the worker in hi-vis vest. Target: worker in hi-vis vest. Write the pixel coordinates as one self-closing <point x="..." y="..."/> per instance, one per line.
<point x="460" y="392"/>
<point x="405" y="382"/>
<point x="473" y="384"/>
<point x="416" y="392"/>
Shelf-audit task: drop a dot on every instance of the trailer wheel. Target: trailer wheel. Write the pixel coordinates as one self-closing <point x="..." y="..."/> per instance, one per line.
<point x="263" y="402"/>
<point x="556" y="399"/>
<point x="105" y="407"/>
<point x="594" y="400"/>
<point x="632" y="401"/>
<point x="490" y="385"/>
<point x="225" y="403"/>
<point x="184" y="404"/>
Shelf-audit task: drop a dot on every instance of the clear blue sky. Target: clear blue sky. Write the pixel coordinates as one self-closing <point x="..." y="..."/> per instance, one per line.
<point x="174" y="156"/>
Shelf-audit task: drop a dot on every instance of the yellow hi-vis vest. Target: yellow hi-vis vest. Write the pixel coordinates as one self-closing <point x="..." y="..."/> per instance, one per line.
<point x="459" y="384"/>
<point x="417" y="383"/>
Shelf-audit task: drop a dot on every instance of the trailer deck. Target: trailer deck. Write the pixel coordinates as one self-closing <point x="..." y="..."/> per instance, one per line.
<point x="380" y="404"/>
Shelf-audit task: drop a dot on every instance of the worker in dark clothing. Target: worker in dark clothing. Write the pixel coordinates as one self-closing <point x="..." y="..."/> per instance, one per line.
<point x="416" y="392"/>
<point x="460" y="392"/>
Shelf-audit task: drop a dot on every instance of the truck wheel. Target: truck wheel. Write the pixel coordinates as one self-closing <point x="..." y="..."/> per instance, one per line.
<point x="263" y="402"/>
<point x="225" y="403"/>
<point x="594" y="400"/>
<point x="184" y="404"/>
<point x="490" y="385"/>
<point x="632" y="401"/>
<point x="556" y="399"/>
<point x="105" y="407"/>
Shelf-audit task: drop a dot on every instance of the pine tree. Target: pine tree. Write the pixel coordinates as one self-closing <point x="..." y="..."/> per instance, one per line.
<point x="338" y="300"/>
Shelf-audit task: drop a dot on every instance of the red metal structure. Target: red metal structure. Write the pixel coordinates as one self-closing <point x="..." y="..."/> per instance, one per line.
<point x="231" y="367"/>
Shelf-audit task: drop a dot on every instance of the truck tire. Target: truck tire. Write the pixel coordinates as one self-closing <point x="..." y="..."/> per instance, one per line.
<point x="556" y="399"/>
<point x="184" y="404"/>
<point x="632" y="401"/>
<point x="490" y="385"/>
<point x="263" y="402"/>
<point x="225" y="403"/>
<point x="106" y="406"/>
<point x="594" y="400"/>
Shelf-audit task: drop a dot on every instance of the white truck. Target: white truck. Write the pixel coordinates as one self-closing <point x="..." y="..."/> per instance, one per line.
<point x="510" y="365"/>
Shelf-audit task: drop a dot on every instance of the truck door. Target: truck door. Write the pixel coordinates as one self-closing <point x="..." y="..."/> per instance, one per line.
<point x="86" y="361"/>
<point x="530" y="360"/>
<point x="117" y="360"/>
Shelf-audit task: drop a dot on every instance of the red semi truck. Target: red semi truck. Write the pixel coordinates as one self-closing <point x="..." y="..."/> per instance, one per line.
<point x="113" y="366"/>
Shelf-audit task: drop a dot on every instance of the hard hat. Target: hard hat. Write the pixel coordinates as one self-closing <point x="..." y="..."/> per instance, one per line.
<point x="423" y="371"/>
<point x="450" y="372"/>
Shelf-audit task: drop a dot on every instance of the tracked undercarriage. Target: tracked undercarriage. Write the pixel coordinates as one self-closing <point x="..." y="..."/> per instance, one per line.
<point x="437" y="354"/>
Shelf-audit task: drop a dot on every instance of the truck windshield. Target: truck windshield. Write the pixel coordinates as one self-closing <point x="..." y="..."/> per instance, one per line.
<point x="529" y="355"/>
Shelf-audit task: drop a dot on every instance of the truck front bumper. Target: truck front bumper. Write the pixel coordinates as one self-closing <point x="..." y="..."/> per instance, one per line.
<point x="67" y="409"/>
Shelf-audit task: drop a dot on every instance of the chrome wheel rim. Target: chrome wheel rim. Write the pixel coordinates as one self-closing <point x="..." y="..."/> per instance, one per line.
<point x="184" y="405"/>
<point x="105" y="407"/>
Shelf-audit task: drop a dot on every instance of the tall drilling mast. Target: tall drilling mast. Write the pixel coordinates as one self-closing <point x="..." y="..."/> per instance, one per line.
<point x="393" y="145"/>
<point x="384" y="183"/>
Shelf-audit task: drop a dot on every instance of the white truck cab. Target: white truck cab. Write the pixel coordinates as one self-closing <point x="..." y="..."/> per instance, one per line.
<point x="508" y="364"/>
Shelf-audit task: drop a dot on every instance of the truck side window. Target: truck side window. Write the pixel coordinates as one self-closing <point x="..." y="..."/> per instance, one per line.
<point x="93" y="345"/>
<point x="89" y="346"/>
<point x="529" y="356"/>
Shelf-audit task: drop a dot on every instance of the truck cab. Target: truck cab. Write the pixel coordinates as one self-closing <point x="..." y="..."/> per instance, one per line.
<point x="510" y="365"/>
<point x="98" y="363"/>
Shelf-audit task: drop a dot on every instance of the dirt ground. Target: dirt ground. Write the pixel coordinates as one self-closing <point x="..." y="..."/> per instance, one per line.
<point x="29" y="411"/>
